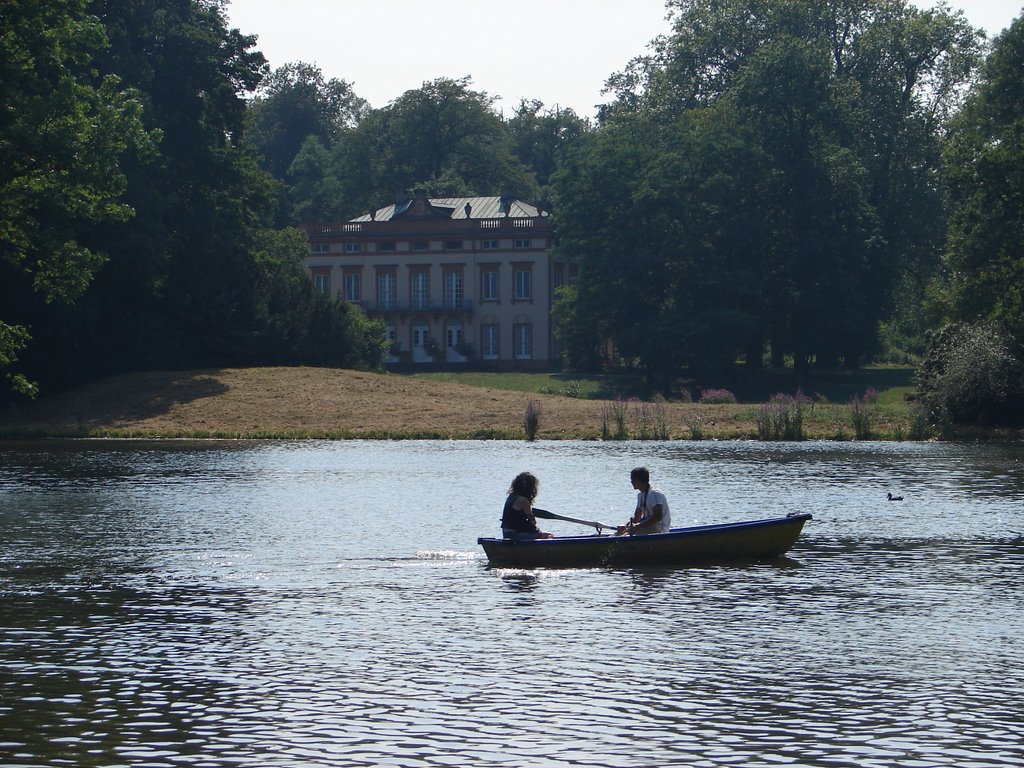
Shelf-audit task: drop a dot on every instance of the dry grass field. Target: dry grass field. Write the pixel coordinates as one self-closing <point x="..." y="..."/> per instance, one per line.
<point x="292" y="403"/>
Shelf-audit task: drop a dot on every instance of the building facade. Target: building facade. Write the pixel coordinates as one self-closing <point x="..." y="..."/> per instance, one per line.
<point x="456" y="281"/>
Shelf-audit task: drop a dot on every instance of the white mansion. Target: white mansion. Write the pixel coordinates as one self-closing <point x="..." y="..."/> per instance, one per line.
<point x="455" y="280"/>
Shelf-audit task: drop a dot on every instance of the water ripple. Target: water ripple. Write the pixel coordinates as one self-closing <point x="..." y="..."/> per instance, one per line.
<point x="224" y="606"/>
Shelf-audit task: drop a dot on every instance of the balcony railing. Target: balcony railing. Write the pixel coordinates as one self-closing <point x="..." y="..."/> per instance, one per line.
<point x="464" y="305"/>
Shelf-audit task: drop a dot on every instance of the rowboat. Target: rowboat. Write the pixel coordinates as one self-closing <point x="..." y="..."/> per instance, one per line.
<point x="744" y="541"/>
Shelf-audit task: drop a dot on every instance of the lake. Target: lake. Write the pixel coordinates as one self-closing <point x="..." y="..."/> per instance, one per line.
<point x="326" y="604"/>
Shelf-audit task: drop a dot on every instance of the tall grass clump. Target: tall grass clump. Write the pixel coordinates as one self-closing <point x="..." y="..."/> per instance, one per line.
<point x="781" y="418"/>
<point x="642" y="415"/>
<point x="531" y="419"/>
<point x="695" y="426"/>
<point x="862" y="411"/>
<point x="660" y="418"/>
<point x="919" y="425"/>
<point x="613" y="420"/>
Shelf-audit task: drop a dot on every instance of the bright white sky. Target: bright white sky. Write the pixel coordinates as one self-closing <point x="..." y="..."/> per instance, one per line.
<point x="558" y="51"/>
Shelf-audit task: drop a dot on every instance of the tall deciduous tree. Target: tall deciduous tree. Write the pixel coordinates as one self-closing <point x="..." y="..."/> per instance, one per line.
<point x="984" y="170"/>
<point x="444" y="137"/>
<point x="836" y="108"/>
<point x="974" y="366"/>
<point x="541" y="137"/>
<point x="295" y="103"/>
<point x="63" y="131"/>
<point x="184" y="285"/>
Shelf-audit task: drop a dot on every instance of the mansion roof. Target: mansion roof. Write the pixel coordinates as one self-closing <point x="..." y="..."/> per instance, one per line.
<point x="419" y="206"/>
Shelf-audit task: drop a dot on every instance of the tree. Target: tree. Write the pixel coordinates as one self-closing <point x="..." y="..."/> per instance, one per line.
<point x="63" y="132"/>
<point x="179" y="290"/>
<point x="832" y="114"/>
<point x="299" y="325"/>
<point x="541" y="137"/>
<point x="295" y="103"/>
<point x="443" y="137"/>
<point x="972" y="369"/>
<point x="984" y="174"/>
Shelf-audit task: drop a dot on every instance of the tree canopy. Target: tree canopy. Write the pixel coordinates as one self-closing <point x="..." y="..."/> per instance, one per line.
<point x="771" y="181"/>
<point x="774" y="166"/>
<point x="974" y="366"/>
<point x="130" y="188"/>
<point x="64" y="131"/>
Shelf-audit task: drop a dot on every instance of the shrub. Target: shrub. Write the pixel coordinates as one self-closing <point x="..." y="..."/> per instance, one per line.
<point x="969" y="376"/>
<point x="718" y="396"/>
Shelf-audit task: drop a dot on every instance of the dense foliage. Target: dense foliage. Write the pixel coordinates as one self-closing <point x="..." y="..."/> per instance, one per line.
<point x="443" y="137"/>
<point x="975" y="364"/>
<point x="64" y="128"/>
<point x="763" y="181"/>
<point x="773" y="181"/>
<point x="134" y="213"/>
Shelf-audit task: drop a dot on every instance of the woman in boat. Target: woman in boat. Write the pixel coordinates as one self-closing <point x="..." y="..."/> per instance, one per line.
<point x="517" y="519"/>
<point x="651" y="515"/>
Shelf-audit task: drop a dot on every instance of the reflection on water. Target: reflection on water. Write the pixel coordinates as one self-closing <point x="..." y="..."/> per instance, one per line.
<point x="324" y="604"/>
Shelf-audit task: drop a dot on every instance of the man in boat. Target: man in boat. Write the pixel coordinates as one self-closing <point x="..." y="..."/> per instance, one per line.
<point x="517" y="519"/>
<point x="651" y="515"/>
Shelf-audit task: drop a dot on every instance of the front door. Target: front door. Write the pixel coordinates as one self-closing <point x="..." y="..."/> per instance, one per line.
<point x="420" y="338"/>
<point x="453" y="343"/>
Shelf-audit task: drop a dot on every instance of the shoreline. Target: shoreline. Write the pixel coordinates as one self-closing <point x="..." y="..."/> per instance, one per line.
<point x="333" y="404"/>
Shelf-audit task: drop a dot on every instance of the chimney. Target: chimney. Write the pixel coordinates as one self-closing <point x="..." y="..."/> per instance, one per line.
<point x="469" y="210"/>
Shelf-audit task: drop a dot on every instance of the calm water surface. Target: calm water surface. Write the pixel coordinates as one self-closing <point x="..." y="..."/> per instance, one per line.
<point x="326" y="604"/>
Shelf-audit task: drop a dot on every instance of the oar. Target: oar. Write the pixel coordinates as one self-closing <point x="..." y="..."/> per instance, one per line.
<point x="552" y="516"/>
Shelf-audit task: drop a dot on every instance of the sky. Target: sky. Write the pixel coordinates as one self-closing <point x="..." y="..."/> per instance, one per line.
<point x="560" y="52"/>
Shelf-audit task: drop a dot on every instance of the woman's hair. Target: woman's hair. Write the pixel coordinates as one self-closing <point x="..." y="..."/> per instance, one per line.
<point x="526" y="485"/>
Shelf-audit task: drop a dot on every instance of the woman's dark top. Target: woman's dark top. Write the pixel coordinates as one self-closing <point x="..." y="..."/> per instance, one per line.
<point x="515" y="519"/>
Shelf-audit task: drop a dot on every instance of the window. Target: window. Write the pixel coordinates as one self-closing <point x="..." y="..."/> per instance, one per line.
<point x="353" y="247"/>
<point x="523" y="284"/>
<point x="353" y="287"/>
<point x="453" y="245"/>
<point x="321" y="248"/>
<point x="420" y="287"/>
<point x="489" y="341"/>
<point x="453" y="289"/>
<point x="557" y="275"/>
<point x="523" y="339"/>
<point x="386" y="290"/>
<point x="421" y="245"/>
<point x="523" y="243"/>
<point x="490" y="245"/>
<point x="385" y="247"/>
<point x="322" y="281"/>
<point x="453" y="337"/>
<point x="489" y="284"/>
